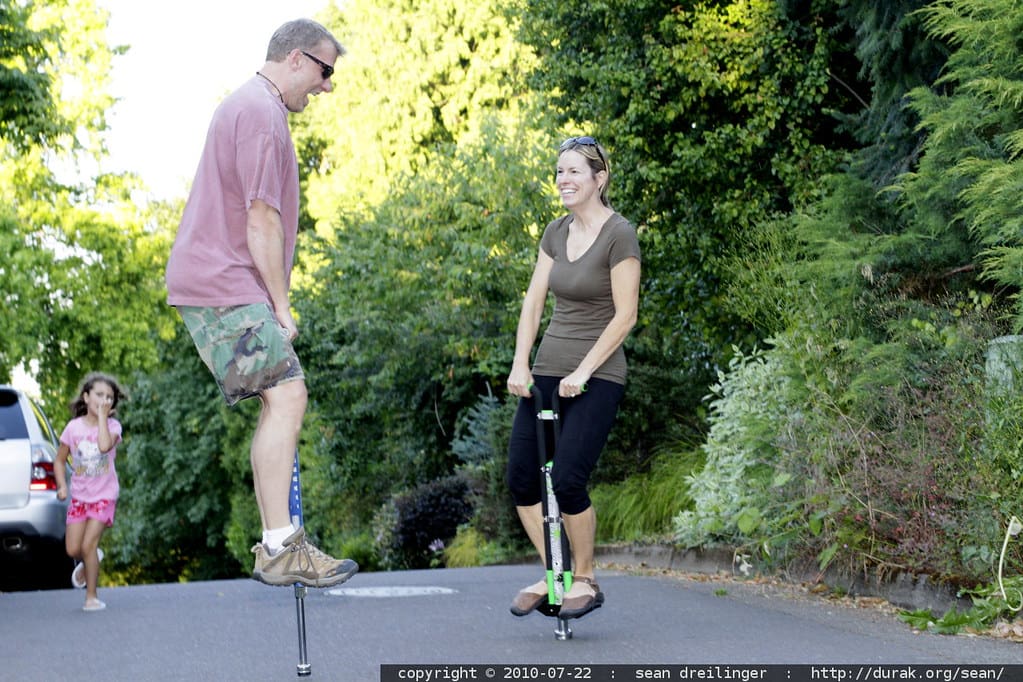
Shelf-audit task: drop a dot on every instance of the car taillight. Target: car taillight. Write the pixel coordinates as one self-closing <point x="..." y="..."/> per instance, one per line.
<point x="42" y="470"/>
<point x="42" y="477"/>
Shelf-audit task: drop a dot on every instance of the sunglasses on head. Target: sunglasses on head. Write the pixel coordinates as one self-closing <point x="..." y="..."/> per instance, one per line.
<point x="325" y="69"/>
<point x="584" y="141"/>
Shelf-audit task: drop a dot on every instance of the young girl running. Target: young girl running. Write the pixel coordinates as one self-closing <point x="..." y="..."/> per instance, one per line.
<point x="91" y="439"/>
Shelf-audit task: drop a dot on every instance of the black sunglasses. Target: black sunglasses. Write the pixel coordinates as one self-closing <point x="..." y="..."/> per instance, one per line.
<point x="584" y="141"/>
<point x="325" y="69"/>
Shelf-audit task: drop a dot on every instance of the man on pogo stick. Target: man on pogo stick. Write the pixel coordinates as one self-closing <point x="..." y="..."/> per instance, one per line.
<point x="229" y="277"/>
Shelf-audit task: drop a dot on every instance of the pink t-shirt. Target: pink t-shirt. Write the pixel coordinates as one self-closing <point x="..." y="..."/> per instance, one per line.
<point x="94" y="477"/>
<point x="248" y="155"/>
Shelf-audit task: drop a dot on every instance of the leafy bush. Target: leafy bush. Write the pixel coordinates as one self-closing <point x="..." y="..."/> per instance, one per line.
<point x="414" y="526"/>
<point x="731" y="491"/>
<point x="889" y="465"/>
<point x="886" y="452"/>
<point x="361" y="548"/>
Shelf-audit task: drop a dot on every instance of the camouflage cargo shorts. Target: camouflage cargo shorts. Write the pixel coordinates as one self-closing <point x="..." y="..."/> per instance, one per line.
<point x="244" y="346"/>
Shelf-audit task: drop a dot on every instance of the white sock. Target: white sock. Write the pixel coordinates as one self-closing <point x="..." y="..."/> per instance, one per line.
<point x="274" y="538"/>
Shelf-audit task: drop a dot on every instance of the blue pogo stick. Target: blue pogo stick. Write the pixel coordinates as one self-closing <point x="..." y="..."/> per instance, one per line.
<point x="295" y="510"/>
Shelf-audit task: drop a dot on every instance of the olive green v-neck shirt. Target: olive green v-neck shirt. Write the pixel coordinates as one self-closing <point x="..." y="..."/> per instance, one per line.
<point x="583" y="302"/>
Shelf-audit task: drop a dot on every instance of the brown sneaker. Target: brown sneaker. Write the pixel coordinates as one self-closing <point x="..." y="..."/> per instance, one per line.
<point x="300" y="562"/>
<point x="529" y="598"/>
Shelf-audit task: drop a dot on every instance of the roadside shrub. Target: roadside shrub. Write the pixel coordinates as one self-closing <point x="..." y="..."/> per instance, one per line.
<point x="470" y="548"/>
<point x="731" y="491"/>
<point x="879" y="454"/>
<point x="414" y="526"/>
<point x="642" y="507"/>
<point x="1003" y="450"/>
<point x="908" y="483"/>
<point x="362" y="549"/>
<point x="893" y="464"/>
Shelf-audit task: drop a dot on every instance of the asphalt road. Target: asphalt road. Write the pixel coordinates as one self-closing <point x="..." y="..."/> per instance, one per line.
<point x="243" y="630"/>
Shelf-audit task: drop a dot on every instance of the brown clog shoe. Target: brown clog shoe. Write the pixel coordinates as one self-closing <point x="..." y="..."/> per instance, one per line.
<point x="529" y="598"/>
<point x="581" y="604"/>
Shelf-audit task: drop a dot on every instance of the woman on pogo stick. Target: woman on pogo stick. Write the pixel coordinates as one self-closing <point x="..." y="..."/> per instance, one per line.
<point x="590" y="260"/>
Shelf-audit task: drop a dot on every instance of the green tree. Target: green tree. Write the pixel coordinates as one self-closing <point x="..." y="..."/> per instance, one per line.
<point x="855" y="234"/>
<point x="428" y="188"/>
<point x="28" y="111"/>
<point x="416" y="78"/>
<point x="884" y="53"/>
<point x="83" y="275"/>
<point x="414" y="313"/>
<point x="962" y="196"/>
<point x="715" y="116"/>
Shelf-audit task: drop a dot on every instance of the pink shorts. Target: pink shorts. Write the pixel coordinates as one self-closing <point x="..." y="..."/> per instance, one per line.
<point x="78" y="511"/>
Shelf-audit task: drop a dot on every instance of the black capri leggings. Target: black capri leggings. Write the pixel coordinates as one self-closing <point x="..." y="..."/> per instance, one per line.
<point x="586" y="421"/>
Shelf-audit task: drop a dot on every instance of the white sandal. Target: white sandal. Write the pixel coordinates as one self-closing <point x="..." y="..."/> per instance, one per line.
<point x="78" y="582"/>
<point x="93" y="605"/>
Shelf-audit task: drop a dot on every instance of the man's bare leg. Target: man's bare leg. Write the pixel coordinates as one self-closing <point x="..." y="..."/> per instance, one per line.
<point x="273" y="450"/>
<point x="273" y="457"/>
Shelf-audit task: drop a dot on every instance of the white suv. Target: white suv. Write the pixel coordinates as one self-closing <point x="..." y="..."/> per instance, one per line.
<point x="32" y="519"/>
